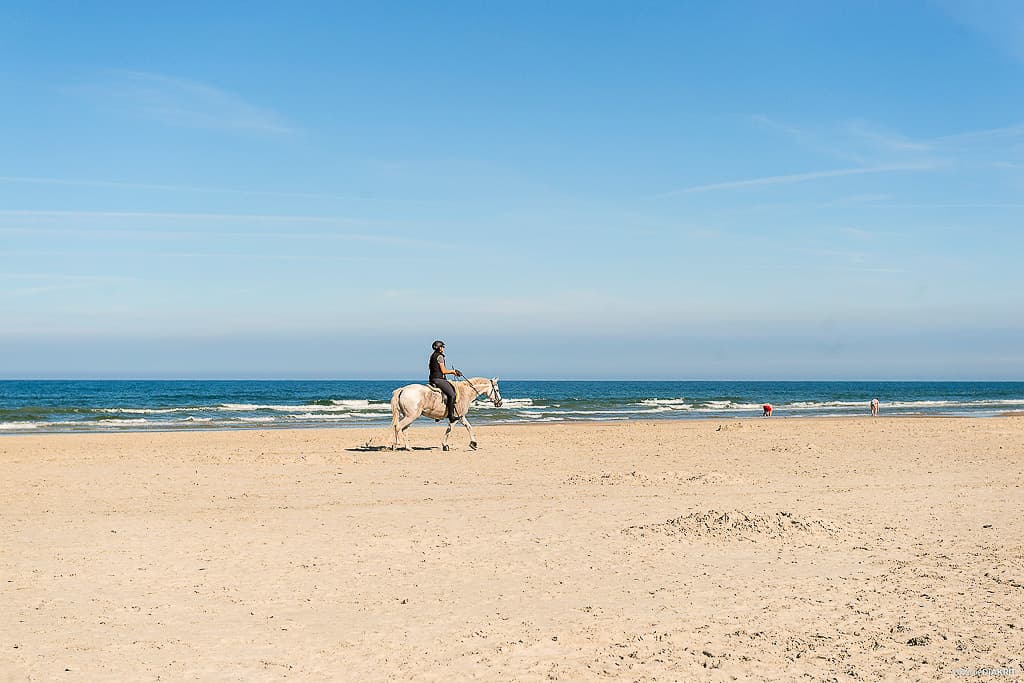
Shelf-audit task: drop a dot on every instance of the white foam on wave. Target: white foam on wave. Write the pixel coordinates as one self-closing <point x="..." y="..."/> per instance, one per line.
<point x="585" y="411"/>
<point x="628" y="411"/>
<point x="953" y="404"/>
<point x="361" y="404"/>
<point x="330" y="417"/>
<point x="823" y="405"/>
<point x="929" y="403"/>
<point x="148" y="411"/>
<point x="593" y="418"/>
<point x="516" y="402"/>
<point x="335" y="407"/>
<point x="482" y="402"/>
<point x="718" y="405"/>
<point x="698" y="406"/>
<point x="385" y="407"/>
<point x="128" y="422"/>
<point x="18" y="426"/>
<point x="726" y="407"/>
<point x="682" y="402"/>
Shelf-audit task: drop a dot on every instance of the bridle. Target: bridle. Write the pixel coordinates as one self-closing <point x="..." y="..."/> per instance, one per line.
<point x="492" y="394"/>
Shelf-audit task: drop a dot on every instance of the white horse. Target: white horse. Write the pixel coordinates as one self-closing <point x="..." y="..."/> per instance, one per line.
<point x="413" y="400"/>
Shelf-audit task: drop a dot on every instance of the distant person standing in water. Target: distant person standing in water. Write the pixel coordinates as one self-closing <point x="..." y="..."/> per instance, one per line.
<point x="874" y="407"/>
<point x="767" y="408"/>
<point x="437" y="372"/>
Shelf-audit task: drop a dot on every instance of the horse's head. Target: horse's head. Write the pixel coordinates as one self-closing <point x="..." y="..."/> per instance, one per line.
<point x="494" y="394"/>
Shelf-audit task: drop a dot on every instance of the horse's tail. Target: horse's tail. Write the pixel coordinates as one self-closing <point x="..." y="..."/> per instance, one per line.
<point x="396" y="415"/>
<point x="396" y="409"/>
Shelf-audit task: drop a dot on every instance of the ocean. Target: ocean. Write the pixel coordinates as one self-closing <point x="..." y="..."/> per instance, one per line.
<point x="38" y="406"/>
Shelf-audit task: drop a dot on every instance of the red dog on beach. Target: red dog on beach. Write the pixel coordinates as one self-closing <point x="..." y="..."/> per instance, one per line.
<point x="767" y="407"/>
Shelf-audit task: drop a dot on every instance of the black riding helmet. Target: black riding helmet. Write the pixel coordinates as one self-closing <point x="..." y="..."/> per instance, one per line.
<point x="437" y="344"/>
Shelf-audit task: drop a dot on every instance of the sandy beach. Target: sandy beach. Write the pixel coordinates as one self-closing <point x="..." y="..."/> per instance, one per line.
<point x="759" y="549"/>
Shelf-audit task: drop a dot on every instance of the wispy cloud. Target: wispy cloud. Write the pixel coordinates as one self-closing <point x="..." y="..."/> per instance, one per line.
<point x="46" y="213"/>
<point x="1000" y="21"/>
<point x="163" y="187"/>
<point x="872" y="269"/>
<point x="120" y="185"/>
<point x="335" y="259"/>
<point x="801" y="177"/>
<point x="40" y="289"/>
<point x="844" y="259"/>
<point x="247" y="234"/>
<point x="29" y="284"/>
<point x="985" y="135"/>
<point x="37" y="277"/>
<point x="181" y="102"/>
<point x="139" y="224"/>
<point x="873" y="144"/>
<point x="879" y="150"/>
<point x="811" y="139"/>
<point x="857" y="141"/>
<point x="868" y="198"/>
<point x="886" y="141"/>
<point x="857" y="233"/>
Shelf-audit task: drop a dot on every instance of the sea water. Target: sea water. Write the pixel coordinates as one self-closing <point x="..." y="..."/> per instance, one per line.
<point x="116" y="405"/>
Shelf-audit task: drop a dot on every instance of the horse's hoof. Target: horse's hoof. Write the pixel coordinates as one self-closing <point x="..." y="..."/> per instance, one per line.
<point x="472" y="444"/>
<point x="446" y="448"/>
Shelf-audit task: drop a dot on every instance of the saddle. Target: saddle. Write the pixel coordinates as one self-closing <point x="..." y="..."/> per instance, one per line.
<point x="438" y="391"/>
<point x="440" y="397"/>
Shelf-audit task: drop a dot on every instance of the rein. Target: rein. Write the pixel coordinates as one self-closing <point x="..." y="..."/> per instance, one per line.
<point x="478" y="392"/>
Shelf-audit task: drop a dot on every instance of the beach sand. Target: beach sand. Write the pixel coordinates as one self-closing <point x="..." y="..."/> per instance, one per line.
<point x="760" y="549"/>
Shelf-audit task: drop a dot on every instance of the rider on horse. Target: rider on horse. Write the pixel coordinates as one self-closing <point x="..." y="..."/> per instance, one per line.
<point x="437" y="373"/>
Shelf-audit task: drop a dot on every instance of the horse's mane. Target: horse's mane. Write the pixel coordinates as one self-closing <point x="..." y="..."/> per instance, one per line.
<point x="482" y="384"/>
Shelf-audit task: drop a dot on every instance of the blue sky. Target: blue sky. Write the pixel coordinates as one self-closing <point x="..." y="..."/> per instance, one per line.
<point x="559" y="190"/>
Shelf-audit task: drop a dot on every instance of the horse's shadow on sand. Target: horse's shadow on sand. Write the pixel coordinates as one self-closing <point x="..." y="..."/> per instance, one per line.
<point x="377" y="449"/>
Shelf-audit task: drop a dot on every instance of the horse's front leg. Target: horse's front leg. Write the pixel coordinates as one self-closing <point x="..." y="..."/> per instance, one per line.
<point x="444" y="441"/>
<point x="472" y="437"/>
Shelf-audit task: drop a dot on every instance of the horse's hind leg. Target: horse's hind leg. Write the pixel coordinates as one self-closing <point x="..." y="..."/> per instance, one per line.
<point x="400" y="428"/>
<point x="398" y="433"/>
<point x="472" y="437"/>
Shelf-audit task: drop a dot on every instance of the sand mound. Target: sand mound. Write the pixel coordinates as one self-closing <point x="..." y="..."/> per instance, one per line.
<point x="646" y="479"/>
<point x="737" y="525"/>
<point x="381" y="439"/>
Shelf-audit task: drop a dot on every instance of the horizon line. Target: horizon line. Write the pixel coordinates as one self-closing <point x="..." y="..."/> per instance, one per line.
<point x="504" y="379"/>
